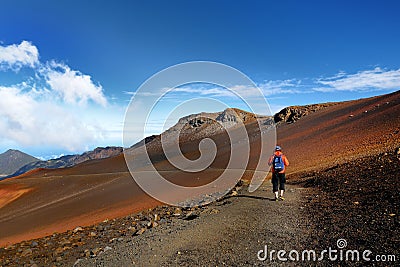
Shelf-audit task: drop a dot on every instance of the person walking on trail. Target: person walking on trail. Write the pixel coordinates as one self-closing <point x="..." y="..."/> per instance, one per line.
<point x="279" y="163"/>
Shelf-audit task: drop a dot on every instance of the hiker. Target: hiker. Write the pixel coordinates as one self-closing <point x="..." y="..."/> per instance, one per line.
<point x="279" y="163"/>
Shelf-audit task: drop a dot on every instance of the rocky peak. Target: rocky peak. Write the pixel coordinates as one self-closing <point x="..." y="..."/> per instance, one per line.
<point x="293" y="113"/>
<point x="12" y="160"/>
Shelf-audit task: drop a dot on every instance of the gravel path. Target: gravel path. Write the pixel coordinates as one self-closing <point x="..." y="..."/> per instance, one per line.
<point x="230" y="233"/>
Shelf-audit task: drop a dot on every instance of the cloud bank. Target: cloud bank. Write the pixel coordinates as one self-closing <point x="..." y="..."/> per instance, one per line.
<point x="28" y="121"/>
<point x="47" y="109"/>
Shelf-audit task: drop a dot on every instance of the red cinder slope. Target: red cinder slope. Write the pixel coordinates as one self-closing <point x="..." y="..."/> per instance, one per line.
<point x="341" y="132"/>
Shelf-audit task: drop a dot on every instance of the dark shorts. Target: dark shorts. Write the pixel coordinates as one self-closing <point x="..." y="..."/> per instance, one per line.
<point x="278" y="179"/>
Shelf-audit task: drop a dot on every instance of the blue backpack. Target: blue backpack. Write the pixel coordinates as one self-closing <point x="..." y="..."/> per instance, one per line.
<point x="278" y="163"/>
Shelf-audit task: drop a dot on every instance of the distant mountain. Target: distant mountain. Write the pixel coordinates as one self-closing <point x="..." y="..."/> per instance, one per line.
<point x="70" y="160"/>
<point x="201" y="125"/>
<point x="12" y="160"/>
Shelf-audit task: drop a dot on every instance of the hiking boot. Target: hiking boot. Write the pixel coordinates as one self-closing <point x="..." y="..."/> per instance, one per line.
<point x="281" y="198"/>
<point x="277" y="199"/>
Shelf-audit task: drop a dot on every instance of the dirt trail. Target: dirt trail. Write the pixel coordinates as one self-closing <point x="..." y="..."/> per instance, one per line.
<point x="230" y="234"/>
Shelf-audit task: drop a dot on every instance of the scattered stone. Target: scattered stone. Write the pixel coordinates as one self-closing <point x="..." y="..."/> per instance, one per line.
<point x="77" y="244"/>
<point x="113" y="239"/>
<point x="178" y="210"/>
<point x="77" y="261"/>
<point x="65" y="243"/>
<point x="58" y="251"/>
<point x="191" y="216"/>
<point x="107" y="248"/>
<point x="132" y="228"/>
<point x="94" y="252"/>
<point x="78" y="229"/>
<point x="34" y="244"/>
<point x="234" y="193"/>
<point x="141" y="231"/>
<point x="214" y="211"/>
<point x="238" y="188"/>
<point x="26" y="252"/>
<point x="86" y="253"/>
<point x="58" y="259"/>
<point x="222" y="202"/>
<point x="92" y="234"/>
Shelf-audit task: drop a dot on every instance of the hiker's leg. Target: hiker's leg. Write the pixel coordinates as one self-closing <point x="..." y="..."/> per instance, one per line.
<point x="282" y="181"/>
<point x="275" y="182"/>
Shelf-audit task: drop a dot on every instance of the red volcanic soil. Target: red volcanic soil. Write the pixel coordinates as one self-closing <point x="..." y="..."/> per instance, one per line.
<point x="10" y="193"/>
<point x="342" y="132"/>
<point x="45" y="201"/>
<point x="32" y="172"/>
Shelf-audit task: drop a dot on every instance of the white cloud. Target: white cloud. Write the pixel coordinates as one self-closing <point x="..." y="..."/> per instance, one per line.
<point x="204" y="91"/>
<point x="376" y="79"/>
<point x="17" y="56"/>
<point x="279" y="87"/>
<point x="268" y="88"/>
<point x="73" y="86"/>
<point x="49" y="108"/>
<point x="49" y="157"/>
<point x="29" y="121"/>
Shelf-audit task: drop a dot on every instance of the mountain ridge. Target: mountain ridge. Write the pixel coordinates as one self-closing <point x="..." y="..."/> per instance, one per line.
<point x="70" y="160"/>
<point x="12" y="159"/>
<point x="194" y="126"/>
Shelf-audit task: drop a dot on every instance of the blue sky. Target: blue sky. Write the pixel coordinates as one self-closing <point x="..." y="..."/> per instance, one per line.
<point x="68" y="69"/>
